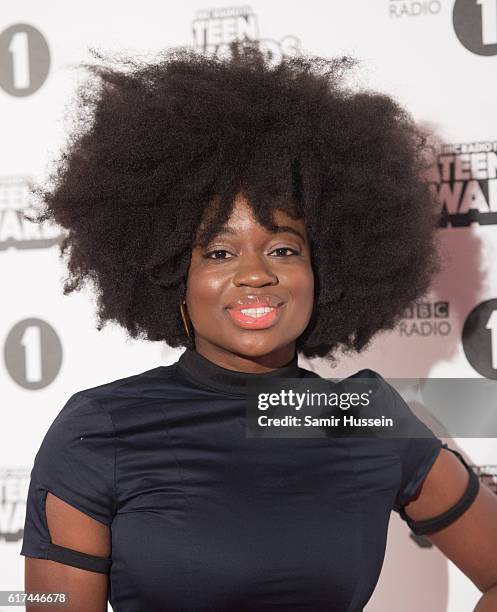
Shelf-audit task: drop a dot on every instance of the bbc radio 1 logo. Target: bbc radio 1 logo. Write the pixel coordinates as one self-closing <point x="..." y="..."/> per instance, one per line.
<point x="16" y="231"/>
<point x="24" y="60"/>
<point x="214" y="29"/>
<point x="465" y="183"/>
<point x="474" y="21"/>
<point x="425" y="319"/>
<point x="413" y="8"/>
<point x="33" y="353"/>
<point x="475" y="25"/>
<point x="479" y="338"/>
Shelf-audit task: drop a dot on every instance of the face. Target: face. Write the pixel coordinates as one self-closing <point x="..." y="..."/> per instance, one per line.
<point x="250" y="292"/>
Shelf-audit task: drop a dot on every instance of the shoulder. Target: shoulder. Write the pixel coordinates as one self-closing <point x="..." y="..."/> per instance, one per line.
<point x="88" y="413"/>
<point x="100" y="401"/>
<point x="133" y="384"/>
<point x="80" y="427"/>
<point x="76" y="460"/>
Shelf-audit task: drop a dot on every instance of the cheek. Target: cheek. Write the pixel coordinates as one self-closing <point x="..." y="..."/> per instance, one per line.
<point x="205" y="292"/>
<point x="301" y="283"/>
<point x="303" y="300"/>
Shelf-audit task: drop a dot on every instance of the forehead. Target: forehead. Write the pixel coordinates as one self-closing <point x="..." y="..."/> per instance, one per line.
<point x="242" y="215"/>
<point x="283" y="226"/>
<point x="241" y="221"/>
<point x="243" y="218"/>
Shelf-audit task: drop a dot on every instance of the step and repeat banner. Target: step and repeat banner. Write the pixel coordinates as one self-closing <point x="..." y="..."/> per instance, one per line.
<point x="437" y="57"/>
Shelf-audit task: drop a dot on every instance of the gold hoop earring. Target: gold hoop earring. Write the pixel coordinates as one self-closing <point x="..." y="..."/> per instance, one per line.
<point x="183" y="316"/>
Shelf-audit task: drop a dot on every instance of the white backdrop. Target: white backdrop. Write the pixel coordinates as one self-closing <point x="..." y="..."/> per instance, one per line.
<point x="438" y="58"/>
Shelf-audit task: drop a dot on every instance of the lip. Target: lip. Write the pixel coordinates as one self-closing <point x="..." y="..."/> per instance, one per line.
<point x="253" y="300"/>
<point x="247" y="322"/>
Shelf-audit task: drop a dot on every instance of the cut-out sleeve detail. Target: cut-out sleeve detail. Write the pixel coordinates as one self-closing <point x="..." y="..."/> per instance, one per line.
<point x="436" y="523"/>
<point x="68" y="556"/>
<point x="76" y="463"/>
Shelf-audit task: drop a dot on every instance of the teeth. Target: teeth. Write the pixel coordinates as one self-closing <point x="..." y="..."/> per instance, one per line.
<point x="256" y="312"/>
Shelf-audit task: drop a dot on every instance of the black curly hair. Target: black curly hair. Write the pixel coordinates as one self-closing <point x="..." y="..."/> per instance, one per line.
<point x="156" y="143"/>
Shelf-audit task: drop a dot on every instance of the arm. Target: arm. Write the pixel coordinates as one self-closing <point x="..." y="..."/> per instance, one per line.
<point x="488" y="603"/>
<point x="87" y="590"/>
<point x="471" y="540"/>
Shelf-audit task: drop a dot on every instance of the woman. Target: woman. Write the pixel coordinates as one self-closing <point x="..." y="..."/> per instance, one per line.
<point x="249" y="213"/>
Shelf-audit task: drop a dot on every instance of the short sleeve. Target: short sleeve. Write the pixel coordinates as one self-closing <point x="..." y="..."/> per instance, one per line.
<point x="75" y="462"/>
<point x="417" y="451"/>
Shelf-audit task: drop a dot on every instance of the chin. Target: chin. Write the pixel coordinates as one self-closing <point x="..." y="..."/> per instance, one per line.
<point x="252" y="347"/>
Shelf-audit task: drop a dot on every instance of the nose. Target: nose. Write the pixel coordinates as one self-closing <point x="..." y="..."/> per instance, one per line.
<point x="254" y="270"/>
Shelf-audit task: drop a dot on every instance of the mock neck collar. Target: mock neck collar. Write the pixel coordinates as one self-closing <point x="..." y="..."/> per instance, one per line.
<point x="207" y="374"/>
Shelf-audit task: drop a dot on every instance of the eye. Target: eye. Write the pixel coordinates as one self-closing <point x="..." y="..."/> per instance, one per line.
<point x="293" y="251"/>
<point x="212" y="254"/>
<point x="208" y="255"/>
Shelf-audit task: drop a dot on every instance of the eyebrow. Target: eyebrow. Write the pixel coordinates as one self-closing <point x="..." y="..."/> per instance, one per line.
<point x="278" y="229"/>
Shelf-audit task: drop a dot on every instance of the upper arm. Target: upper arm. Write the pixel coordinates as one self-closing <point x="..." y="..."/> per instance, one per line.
<point x="70" y="528"/>
<point x="433" y="480"/>
<point x="470" y="541"/>
<point x="70" y="507"/>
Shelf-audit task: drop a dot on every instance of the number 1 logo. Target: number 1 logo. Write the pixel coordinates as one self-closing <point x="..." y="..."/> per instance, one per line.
<point x="475" y="25"/>
<point x="24" y="60"/>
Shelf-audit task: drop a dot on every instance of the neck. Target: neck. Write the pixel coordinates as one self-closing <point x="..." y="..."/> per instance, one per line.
<point x="200" y="371"/>
<point x="242" y="362"/>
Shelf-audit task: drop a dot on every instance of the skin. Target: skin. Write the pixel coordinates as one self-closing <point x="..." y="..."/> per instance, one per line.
<point x="250" y="262"/>
<point x="235" y="264"/>
<point x="86" y="591"/>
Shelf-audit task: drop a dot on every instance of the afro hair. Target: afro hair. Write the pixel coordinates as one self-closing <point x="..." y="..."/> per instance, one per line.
<point x="155" y="143"/>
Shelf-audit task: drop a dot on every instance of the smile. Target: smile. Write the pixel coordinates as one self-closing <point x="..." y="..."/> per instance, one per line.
<point x="255" y="318"/>
<point x="256" y="312"/>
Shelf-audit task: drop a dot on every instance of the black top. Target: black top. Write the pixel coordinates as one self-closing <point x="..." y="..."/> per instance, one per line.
<point x="204" y="518"/>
